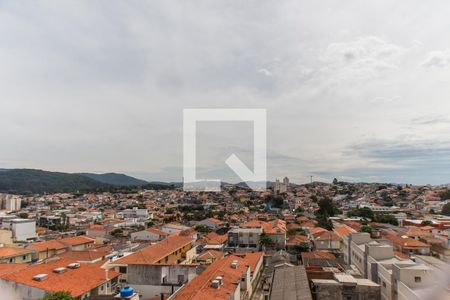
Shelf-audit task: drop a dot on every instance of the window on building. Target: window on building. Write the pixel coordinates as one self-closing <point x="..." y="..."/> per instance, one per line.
<point x="384" y="284"/>
<point x="123" y="270"/>
<point x="417" y="279"/>
<point x="24" y="257"/>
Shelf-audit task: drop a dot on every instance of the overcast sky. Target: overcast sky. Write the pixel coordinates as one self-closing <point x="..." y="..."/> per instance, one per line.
<point x="356" y="90"/>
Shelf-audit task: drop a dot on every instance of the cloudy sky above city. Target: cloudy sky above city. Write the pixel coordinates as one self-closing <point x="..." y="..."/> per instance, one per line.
<point x="353" y="89"/>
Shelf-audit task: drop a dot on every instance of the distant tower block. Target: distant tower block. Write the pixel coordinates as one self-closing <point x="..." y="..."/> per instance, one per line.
<point x="279" y="187"/>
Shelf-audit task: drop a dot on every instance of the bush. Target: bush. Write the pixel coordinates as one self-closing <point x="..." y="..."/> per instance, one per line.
<point x="446" y="209"/>
<point x="365" y="228"/>
<point x="59" y="296"/>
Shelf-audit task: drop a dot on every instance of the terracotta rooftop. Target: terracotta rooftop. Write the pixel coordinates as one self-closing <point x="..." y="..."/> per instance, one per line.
<point x="152" y="254"/>
<point x="216" y="221"/>
<point x="77" y="240"/>
<point x="13" y="251"/>
<point x="343" y="231"/>
<point x="318" y="255"/>
<point x="157" y="231"/>
<point x="76" y="281"/>
<point x="88" y="255"/>
<point x="210" y="254"/>
<point x="6" y="268"/>
<point x="317" y="230"/>
<point x="50" y="245"/>
<point x="200" y="287"/>
<point x="326" y="236"/>
<point x="415" y="232"/>
<point x="405" y="242"/>
<point x="213" y="238"/>
<point x="271" y="227"/>
<point x="296" y="239"/>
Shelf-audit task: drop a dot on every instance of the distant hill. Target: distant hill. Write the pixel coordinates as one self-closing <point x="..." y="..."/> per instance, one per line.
<point x="26" y="181"/>
<point x="116" y="179"/>
<point x="31" y="181"/>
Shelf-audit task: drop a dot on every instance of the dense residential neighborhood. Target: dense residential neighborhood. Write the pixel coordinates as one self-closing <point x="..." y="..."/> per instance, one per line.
<point x="335" y="241"/>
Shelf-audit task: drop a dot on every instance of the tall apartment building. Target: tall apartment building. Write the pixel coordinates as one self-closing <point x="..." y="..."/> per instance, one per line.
<point x="281" y="187"/>
<point x="246" y="237"/>
<point x="399" y="278"/>
<point x="22" y="229"/>
<point x="10" y="202"/>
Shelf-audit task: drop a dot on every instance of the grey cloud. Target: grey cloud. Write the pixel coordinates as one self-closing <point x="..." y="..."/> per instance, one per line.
<point x="439" y="59"/>
<point x="431" y="120"/>
<point x="101" y="86"/>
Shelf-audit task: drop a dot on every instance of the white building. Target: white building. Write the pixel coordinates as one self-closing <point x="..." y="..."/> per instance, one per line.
<point x="398" y="278"/>
<point x="281" y="187"/>
<point x="149" y="234"/>
<point x="171" y="228"/>
<point x="10" y="202"/>
<point x="134" y="213"/>
<point x="22" y="229"/>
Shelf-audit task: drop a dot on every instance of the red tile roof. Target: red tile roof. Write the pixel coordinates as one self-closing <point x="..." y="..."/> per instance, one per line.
<point x="200" y="287"/>
<point x="317" y="230"/>
<point x="326" y="236"/>
<point x="88" y="255"/>
<point x="343" y="231"/>
<point x="296" y="239"/>
<point x="210" y="254"/>
<point x="76" y="281"/>
<point x="77" y="240"/>
<point x="157" y="231"/>
<point x="50" y="245"/>
<point x="318" y="255"/>
<point x="152" y="254"/>
<point x="11" y="268"/>
<point x="13" y="251"/>
<point x="271" y="227"/>
<point x="405" y="242"/>
<point x="213" y="238"/>
<point x="216" y="221"/>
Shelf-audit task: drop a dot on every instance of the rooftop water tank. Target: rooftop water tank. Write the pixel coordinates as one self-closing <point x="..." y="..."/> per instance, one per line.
<point x="126" y="292"/>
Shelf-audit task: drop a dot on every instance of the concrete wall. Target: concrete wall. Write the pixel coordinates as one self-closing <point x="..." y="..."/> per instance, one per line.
<point x="23" y="258"/>
<point x="385" y="281"/>
<point x="16" y="291"/>
<point x="153" y="275"/>
<point x="6" y="237"/>
<point x="145" y="235"/>
<point x="22" y="231"/>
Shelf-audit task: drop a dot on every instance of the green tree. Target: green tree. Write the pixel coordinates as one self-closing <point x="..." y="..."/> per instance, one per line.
<point x="59" y="296"/>
<point x="23" y="215"/>
<point x="363" y="212"/>
<point x="389" y="219"/>
<point x="302" y="247"/>
<point x="324" y="222"/>
<point x="445" y="195"/>
<point x="446" y="209"/>
<point x="365" y="228"/>
<point x="299" y="210"/>
<point x="427" y="223"/>
<point x="203" y="228"/>
<point x="295" y="231"/>
<point x="265" y="240"/>
<point x="327" y="207"/>
<point x="117" y="232"/>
